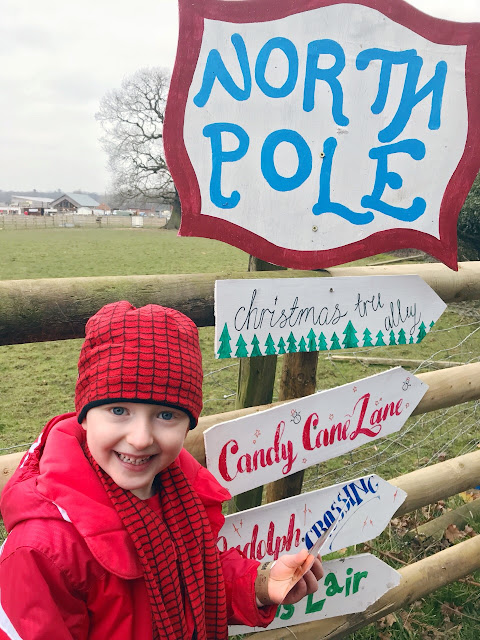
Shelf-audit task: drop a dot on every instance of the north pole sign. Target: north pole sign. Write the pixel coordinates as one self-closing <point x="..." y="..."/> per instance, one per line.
<point x="247" y="452"/>
<point x="361" y="507"/>
<point x="349" y="585"/>
<point x="276" y="316"/>
<point x="314" y="132"/>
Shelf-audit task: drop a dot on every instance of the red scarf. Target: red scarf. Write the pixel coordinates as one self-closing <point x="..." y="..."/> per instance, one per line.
<point x="178" y="554"/>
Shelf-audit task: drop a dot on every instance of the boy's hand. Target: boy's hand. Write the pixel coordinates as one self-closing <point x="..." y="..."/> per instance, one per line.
<point x="290" y="579"/>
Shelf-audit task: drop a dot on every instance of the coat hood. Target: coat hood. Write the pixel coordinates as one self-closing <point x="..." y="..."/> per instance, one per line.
<point x="55" y="481"/>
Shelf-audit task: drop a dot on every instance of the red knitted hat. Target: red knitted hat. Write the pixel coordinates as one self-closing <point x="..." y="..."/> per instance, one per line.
<point x="149" y="355"/>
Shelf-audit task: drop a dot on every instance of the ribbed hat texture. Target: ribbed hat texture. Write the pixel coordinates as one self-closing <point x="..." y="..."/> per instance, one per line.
<point x="151" y="355"/>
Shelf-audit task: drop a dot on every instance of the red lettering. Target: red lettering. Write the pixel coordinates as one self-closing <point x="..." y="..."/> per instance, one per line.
<point x="388" y="407"/>
<point x="360" y="430"/>
<point x="222" y="460"/>
<point x="222" y="544"/>
<point x="311" y="421"/>
<point x="244" y="464"/>
<point x="261" y="552"/>
<point x="259" y="454"/>
<point x="341" y="432"/>
<point x="398" y="407"/>
<point x="273" y="453"/>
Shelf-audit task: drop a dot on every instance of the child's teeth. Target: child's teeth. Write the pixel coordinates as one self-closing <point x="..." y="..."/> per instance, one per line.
<point x="132" y="460"/>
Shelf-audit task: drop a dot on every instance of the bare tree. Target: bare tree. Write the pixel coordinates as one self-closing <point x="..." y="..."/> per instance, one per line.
<point x="132" y="119"/>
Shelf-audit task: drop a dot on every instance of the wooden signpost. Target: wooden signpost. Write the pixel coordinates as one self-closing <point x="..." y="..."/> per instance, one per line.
<point x="250" y="451"/>
<point x="309" y="134"/>
<point x="294" y="315"/>
<point x="349" y="585"/>
<point x="363" y="507"/>
<point x="315" y="132"/>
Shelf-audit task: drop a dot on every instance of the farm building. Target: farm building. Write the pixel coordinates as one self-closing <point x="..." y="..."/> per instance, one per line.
<point x="76" y="203"/>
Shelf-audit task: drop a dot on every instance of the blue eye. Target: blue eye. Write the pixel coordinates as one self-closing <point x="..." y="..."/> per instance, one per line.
<point x="118" y="411"/>
<point x="166" y="415"/>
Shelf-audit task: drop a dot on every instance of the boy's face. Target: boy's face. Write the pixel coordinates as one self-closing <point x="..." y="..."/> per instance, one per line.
<point x="133" y="442"/>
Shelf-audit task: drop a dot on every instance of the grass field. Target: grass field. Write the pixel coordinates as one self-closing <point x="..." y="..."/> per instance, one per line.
<point x="37" y="381"/>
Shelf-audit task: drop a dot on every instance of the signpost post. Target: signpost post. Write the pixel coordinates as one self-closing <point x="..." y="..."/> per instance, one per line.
<point x="309" y="134"/>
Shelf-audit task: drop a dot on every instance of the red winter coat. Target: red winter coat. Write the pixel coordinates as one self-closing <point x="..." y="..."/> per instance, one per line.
<point x="69" y="570"/>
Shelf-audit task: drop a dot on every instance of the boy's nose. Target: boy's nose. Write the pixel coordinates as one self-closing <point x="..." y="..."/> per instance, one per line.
<point x="140" y="435"/>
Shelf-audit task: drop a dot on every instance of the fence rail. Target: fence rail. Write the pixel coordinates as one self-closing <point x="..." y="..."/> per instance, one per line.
<point x="71" y="221"/>
<point x="58" y="308"/>
<point x="53" y="309"/>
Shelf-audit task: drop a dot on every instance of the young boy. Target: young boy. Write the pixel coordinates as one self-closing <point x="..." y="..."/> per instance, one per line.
<point x="112" y="524"/>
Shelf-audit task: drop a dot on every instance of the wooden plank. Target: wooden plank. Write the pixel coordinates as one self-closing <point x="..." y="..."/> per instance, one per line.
<point x="436" y="528"/>
<point x="250" y="451"/>
<point x="58" y="308"/>
<point x="447" y="388"/>
<point x="395" y="362"/>
<point x="298" y="315"/>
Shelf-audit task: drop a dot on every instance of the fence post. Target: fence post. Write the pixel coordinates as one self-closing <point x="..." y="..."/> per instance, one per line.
<point x="256" y="378"/>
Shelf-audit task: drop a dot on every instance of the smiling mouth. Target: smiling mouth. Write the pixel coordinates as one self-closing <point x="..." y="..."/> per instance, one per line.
<point x="132" y="460"/>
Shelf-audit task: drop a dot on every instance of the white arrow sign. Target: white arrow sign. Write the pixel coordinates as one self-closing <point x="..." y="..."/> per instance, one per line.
<point x="363" y="506"/>
<point x="349" y="585"/>
<point x="262" y="447"/>
<point x="275" y="316"/>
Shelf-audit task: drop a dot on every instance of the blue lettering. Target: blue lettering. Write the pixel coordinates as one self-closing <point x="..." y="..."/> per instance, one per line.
<point x="215" y="68"/>
<point x="383" y="177"/>
<point x="313" y="73"/>
<point x="324" y="204"/>
<point x="410" y="95"/>
<point x="270" y="173"/>
<point x="214" y="132"/>
<point x="290" y="51"/>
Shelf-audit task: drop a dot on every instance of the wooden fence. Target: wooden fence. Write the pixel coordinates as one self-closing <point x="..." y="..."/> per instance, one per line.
<point x="40" y="310"/>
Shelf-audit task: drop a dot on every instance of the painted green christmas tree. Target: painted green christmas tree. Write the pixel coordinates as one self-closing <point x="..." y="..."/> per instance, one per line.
<point x="312" y="345"/>
<point x="411" y="340"/>
<point x="322" y="343"/>
<point x="350" y="340"/>
<point x="281" y="346"/>
<point x="269" y="343"/>
<point x="421" y="332"/>
<point x="225" y="350"/>
<point x="367" y="338"/>
<point x="292" y="343"/>
<point x="401" y="337"/>
<point x="335" y="342"/>
<point x="431" y="324"/>
<point x="380" y="341"/>
<point x="302" y="345"/>
<point x="256" y="349"/>
<point x="241" y="352"/>
<point x="392" y="339"/>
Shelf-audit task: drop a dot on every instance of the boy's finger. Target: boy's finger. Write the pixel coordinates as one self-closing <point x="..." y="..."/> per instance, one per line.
<point x="317" y="569"/>
<point x="295" y="561"/>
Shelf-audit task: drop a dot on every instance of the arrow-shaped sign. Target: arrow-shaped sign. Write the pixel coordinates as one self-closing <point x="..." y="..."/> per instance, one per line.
<point x="348" y="585"/>
<point x="264" y="446"/>
<point x="363" y="507"/>
<point x="275" y="316"/>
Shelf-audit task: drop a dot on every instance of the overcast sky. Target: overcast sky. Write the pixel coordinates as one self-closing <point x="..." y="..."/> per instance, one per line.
<point x="57" y="60"/>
